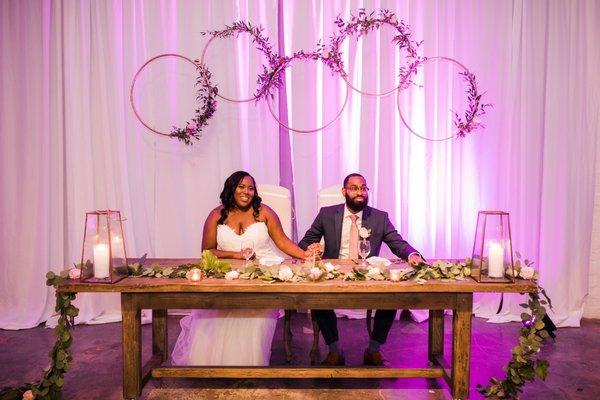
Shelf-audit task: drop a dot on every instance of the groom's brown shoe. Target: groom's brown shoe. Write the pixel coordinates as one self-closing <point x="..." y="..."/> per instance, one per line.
<point x="373" y="358"/>
<point x="333" y="359"/>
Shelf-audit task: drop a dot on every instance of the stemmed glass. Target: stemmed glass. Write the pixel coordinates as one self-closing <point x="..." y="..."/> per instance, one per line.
<point x="247" y="250"/>
<point x="364" y="248"/>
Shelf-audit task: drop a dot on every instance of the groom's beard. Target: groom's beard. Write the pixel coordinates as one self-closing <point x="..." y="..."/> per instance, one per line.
<point x="354" y="205"/>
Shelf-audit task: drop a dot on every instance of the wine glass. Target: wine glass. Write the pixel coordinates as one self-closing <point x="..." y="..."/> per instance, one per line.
<point x="247" y="250"/>
<point x="364" y="248"/>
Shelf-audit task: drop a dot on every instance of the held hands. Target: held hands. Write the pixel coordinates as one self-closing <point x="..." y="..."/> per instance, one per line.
<point x="313" y="250"/>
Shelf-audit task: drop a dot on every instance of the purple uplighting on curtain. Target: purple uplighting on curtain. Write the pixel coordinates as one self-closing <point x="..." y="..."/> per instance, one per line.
<point x="70" y="143"/>
<point x="286" y="172"/>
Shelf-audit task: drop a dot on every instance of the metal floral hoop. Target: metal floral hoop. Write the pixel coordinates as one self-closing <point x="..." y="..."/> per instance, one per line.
<point x="279" y="70"/>
<point x="137" y="74"/>
<point x="207" y="93"/>
<point x="361" y="25"/>
<point x="420" y="63"/>
<point x="202" y="58"/>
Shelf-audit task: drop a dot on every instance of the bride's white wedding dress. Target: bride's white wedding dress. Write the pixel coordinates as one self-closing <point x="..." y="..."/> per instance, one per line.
<point x="230" y="337"/>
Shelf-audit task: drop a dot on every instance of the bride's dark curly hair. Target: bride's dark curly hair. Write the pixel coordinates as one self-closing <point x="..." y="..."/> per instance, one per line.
<point x="227" y="199"/>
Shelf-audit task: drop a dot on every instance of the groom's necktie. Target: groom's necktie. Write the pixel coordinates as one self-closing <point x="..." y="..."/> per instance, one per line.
<point x="353" y="250"/>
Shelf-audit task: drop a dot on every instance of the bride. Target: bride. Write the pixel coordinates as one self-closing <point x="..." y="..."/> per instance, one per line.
<point x="235" y="337"/>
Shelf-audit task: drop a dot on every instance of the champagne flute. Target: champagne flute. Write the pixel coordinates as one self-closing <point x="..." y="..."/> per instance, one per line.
<point x="364" y="248"/>
<point x="247" y="250"/>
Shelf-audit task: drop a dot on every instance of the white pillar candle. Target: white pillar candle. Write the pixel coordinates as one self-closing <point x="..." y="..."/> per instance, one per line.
<point x="395" y="275"/>
<point x="496" y="260"/>
<point x="196" y="275"/>
<point x="101" y="261"/>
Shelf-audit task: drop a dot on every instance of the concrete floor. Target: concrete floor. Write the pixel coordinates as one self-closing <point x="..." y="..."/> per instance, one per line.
<point x="97" y="368"/>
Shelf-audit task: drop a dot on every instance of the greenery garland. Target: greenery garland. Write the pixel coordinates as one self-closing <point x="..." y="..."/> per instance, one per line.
<point x="523" y="367"/>
<point x="50" y="386"/>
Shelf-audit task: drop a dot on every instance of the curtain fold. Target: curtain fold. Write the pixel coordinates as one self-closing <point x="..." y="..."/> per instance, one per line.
<point x="70" y="143"/>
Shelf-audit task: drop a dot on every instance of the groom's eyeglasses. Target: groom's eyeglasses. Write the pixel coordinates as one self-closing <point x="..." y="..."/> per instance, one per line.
<point x="356" y="189"/>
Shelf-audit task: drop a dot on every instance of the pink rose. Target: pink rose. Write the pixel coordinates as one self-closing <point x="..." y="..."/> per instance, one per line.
<point x="74" y="273"/>
<point x="28" y="395"/>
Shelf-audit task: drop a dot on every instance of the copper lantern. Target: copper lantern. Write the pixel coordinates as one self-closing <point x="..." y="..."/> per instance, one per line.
<point x="103" y="256"/>
<point x="492" y="248"/>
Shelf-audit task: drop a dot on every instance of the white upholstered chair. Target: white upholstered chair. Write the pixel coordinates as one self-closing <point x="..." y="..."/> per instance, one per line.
<point x="280" y="200"/>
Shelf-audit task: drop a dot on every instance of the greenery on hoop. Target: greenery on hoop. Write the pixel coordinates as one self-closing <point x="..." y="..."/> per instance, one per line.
<point x="262" y="44"/>
<point x="271" y="77"/>
<point x="208" y="105"/>
<point x="362" y="24"/>
<point x="475" y="110"/>
<point x="521" y="368"/>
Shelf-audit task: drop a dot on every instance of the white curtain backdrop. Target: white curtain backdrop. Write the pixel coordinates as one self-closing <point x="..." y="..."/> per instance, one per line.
<point x="70" y="142"/>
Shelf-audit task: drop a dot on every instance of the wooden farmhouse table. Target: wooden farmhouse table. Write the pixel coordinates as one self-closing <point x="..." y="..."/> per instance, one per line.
<point x="161" y="294"/>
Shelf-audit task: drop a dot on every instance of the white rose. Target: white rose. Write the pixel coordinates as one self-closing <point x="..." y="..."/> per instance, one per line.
<point x="527" y="272"/>
<point x="231" y="275"/>
<point x="350" y="275"/>
<point x="329" y="267"/>
<point x="74" y="273"/>
<point x="364" y="232"/>
<point x="373" y="272"/>
<point x="315" y="273"/>
<point x="285" y="273"/>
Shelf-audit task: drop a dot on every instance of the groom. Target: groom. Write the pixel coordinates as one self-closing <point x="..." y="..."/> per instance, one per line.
<point x="339" y="226"/>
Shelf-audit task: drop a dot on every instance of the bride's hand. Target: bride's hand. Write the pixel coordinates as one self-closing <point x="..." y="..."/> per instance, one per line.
<point x="307" y="254"/>
<point x="240" y="256"/>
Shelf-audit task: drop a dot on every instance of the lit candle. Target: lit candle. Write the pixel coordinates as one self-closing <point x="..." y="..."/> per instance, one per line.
<point x="395" y="275"/>
<point x="101" y="261"/>
<point x="496" y="260"/>
<point x="194" y="274"/>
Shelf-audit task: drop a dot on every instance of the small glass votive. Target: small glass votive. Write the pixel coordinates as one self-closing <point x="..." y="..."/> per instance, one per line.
<point x="395" y="275"/>
<point x="194" y="275"/>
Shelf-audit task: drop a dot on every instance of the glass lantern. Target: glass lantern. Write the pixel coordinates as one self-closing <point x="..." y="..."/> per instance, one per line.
<point x="492" y="248"/>
<point x="103" y="256"/>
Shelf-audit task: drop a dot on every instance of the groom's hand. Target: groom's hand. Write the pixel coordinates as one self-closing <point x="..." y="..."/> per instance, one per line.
<point x="415" y="259"/>
<point x="315" y="249"/>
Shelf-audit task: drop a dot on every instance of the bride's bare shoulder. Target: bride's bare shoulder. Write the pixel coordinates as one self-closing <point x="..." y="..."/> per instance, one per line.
<point x="267" y="213"/>
<point x="215" y="214"/>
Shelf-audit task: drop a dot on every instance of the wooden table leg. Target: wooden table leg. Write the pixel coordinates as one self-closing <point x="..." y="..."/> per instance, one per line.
<point x="159" y="334"/>
<point x="132" y="347"/>
<point x="461" y="345"/>
<point x="287" y="335"/>
<point x="436" y="334"/>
